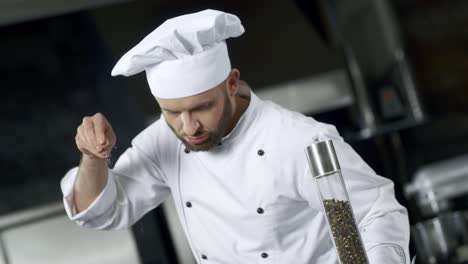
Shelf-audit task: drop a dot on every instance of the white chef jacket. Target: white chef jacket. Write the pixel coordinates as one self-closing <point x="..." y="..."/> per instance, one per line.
<point x="251" y="199"/>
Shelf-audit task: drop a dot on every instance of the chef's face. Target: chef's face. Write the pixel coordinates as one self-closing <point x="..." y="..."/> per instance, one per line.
<point x="200" y="121"/>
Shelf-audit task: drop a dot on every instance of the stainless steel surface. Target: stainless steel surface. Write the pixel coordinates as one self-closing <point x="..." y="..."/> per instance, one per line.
<point x="322" y="158"/>
<point x="435" y="184"/>
<point x="30" y="215"/>
<point x="45" y="235"/>
<point x="442" y="238"/>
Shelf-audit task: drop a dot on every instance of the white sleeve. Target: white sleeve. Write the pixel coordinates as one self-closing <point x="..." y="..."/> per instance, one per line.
<point x="102" y="203"/>
<point x="134" y="186"/>
<point x="382" y="221"/>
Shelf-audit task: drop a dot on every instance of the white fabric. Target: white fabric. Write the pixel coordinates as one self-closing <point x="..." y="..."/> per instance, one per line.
<point x="226" y="186"/>
<point x="185" y="56"/>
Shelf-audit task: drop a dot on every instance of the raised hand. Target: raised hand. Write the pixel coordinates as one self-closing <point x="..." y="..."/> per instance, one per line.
<point x="95" y="137"/>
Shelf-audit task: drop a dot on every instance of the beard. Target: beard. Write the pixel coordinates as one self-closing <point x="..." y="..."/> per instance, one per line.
<point x="213" y="136"/>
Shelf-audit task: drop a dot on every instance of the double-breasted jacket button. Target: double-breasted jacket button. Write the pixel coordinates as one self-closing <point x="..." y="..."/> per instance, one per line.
<point x="188" y="204"/>
<point x="260" y="152"/>
<point x="264" y="255"/>
<point x="260" y="210"/>
<point x="204" y="256"/>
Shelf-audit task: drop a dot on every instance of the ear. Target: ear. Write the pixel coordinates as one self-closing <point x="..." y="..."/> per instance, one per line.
<point x="231" y="82"/>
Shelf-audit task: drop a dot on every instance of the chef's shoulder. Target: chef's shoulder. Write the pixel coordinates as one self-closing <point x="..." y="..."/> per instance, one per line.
<point x="157" y="141"/>
<point x="299" y="130"/>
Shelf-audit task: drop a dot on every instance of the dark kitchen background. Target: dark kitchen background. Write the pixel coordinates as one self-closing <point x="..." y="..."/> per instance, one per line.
<point x="392" y="75"/>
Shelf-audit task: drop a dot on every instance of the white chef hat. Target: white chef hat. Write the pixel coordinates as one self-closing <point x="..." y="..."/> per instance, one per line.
<point x="185" y="56"/>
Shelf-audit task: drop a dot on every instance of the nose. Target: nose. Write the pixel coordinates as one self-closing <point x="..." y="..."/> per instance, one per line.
<point x="190" y="125"/>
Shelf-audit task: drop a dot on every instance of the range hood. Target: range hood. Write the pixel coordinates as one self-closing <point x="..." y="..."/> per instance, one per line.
<point x="17" y="11"/>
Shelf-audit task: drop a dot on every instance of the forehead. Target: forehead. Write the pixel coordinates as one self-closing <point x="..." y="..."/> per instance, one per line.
<point x="187" y="103"/>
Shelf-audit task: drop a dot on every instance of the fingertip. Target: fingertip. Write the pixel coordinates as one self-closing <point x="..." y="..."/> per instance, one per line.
<point x="104" y="146"/>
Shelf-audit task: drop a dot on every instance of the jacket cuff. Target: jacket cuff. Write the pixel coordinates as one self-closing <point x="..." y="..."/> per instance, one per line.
<point x="100" y="205"/>
<point x="387" y="253"/>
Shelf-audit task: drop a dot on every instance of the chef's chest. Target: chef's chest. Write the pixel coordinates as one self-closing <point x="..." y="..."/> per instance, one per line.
<point x="240" y="186"/>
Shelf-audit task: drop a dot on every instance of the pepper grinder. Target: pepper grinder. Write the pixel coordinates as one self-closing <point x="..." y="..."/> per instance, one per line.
<point x="326" y="171"/>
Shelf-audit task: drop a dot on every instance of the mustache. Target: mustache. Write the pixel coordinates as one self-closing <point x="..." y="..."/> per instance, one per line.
<point x="198" y="134"/>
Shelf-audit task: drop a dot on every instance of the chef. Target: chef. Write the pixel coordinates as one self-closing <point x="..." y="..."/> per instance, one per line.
<point x="233" y="163"/>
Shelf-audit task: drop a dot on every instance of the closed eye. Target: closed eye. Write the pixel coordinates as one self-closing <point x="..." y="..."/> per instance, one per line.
<point x="203" y="107"/>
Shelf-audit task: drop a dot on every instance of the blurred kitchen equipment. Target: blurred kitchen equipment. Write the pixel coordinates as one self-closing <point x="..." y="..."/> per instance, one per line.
<point x="434" y="185"/>
<point x="45" y="235"/>
<point x="442" y="239"/>
<point x="326" y="171"/>
<point x="312" y="95"/>
<point x="367" y="36"/>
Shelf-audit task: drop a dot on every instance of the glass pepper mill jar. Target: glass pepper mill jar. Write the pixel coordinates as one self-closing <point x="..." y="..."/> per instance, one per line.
<point x="326" y="171"/>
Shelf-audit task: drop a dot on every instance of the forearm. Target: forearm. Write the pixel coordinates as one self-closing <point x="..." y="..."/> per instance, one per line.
<point x="91" y="180"/>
